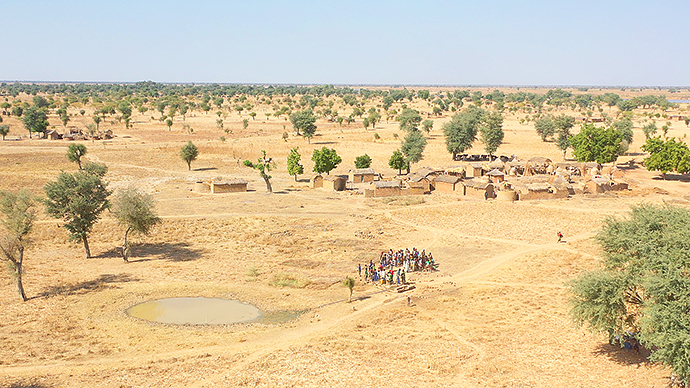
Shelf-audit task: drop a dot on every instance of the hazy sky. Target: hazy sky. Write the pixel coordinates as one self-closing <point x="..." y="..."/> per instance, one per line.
<point x="530" y="42"/>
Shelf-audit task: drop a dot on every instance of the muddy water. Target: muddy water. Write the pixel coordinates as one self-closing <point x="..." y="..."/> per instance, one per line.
<point x="209" y="311"/>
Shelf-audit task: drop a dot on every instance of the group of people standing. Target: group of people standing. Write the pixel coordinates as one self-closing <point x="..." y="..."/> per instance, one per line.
<point x="393" y="266"/>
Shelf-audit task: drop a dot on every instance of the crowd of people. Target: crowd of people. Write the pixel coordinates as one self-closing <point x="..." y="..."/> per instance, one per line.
<point x="392" y="267"/>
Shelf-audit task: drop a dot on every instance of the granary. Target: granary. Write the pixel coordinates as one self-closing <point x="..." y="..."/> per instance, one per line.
<point x="448" y="184"/>
<point x="316" y="181"/>
<point x="474" y="170"/>
<point x="334" y="182"/>
<point x="230" y="186"/>
<point x="361" y="175"/>
<point x="385" y="188"/>
<point x="496" y="176"/>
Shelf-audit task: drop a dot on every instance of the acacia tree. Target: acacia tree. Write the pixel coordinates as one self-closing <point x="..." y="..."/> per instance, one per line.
<point x="563" y="125"/>
<point x="349" y="283"/>
<point x="545" y="127"/>
<point x="134" y="211"/>
<point x="643" y="285"/>
<point x="189" y="153"/>
<point x="264" y="165"/>
<point x="304" y="121"/>
<point x="4" y="130"/>
<point x="325" y="160"/>
<point x="97" y="120"/>
<point x="293" y="163"/>
<point x="427" y="125"/>
<point x="492" y="131"/>
<point x="79" y="199"/>
<point x="75" y="152"/>
<point x="409" y="119"/>
<point x="19" y="214"/>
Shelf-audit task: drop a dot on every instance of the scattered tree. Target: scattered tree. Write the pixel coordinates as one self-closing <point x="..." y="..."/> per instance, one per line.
<point x="97" y="120"/>
<point x="413" y="147"/>
<point x="304" y="121"/>
<point x="596" y="144"/>
<point x="134" y="211"/>
<point x="293" y="163"/>
<point x="649" y="130"/>
<point x="363" y="161"/>
<point x="4" y="130"/>
<point x="545" y="127"/>
<point x="409" y="119"/>
<point x="264" y="165"/>
<point x="245" y="123"/>
<point x="35" y="120"/>
<point x="75" y="152"/>
<point x="325" y="160"/>
<point x="397" y="161"/>
<point x="563" y="125"/>
<point x="667" y="155"/>
<point x="492" y="131"/>
<point x="18" y="218"/>
<point x="461" y="131"/>
<point x="169" y="123"/>
<point x="79" y="199"/>
<point x="643" y="286"/>
<point x="189" y="153"/>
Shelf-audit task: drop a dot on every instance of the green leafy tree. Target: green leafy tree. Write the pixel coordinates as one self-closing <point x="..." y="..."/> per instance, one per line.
<point x="189" y="153"/>
<point x="667" y="155"/>
<point x="245" y="123"/>
<point x="413" y="147"/>
<point x="293" y="163"/>
<point x="97" y="120"/>
<point x="79" y="199"/>
<point x="134" y="210"/>
<point x="4" y="130"/>
<point x="35" y="120"/>
<point x="397" y="161"/>
<point x="325" y="160"/>
<point x="17" y="111"/>
<point x="264" y="165"/>
<point x="596" y="144"/>
<point x="169" y="123"/>
<point x="409" y="119"/>
<point x="75" y="152"/>
<point x="492" y="131"/>
<point x="563" y="126"/>
<point x="363" y="161"/>
<point x="461" y="131"/>
<point x="18" y="219"/>
<point x="643" y="285"/>
<point x="304" y="121"/>
<point x="649" y="130"/>
<point x="545" y="127"/>
<point x="374" y="117"/>
<point x="427" y="125"/>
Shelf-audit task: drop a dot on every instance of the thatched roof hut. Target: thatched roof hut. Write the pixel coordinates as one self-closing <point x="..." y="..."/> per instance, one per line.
<point x="447" y="183"/>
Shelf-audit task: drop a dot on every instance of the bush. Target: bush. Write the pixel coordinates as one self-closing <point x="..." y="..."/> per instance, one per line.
<point x="289" y="280"/>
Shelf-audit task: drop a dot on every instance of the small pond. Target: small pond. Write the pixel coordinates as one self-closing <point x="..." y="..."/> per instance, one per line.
<point x="205" y="311"/>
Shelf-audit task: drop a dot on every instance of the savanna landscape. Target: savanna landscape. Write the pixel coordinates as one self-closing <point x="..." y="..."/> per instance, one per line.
<point x="496" y="313"/>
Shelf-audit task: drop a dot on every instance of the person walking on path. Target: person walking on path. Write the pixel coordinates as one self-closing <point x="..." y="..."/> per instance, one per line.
<point x="560" y="236"/>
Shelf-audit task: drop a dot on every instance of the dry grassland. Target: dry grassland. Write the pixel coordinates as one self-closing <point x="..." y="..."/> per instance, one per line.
<point x="494" y="315"/>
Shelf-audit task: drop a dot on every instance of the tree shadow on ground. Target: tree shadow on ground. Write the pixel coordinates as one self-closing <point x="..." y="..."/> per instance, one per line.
<point x="28" y="384"/>
<point x="164" y="251"/>
<point x="156" y="251"/>
<point x="673" y="178"/>
<point x="622" y="355"/>
<point x="204" y="169"/>
<point x="323" y="142"/>
<point x="102" y="282"/>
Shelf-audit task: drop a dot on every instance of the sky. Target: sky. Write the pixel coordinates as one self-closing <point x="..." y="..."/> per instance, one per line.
<point x="357" y="42"/>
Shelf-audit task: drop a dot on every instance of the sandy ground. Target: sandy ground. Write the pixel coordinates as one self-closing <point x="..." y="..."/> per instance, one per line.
<point x="494" y="315"/>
